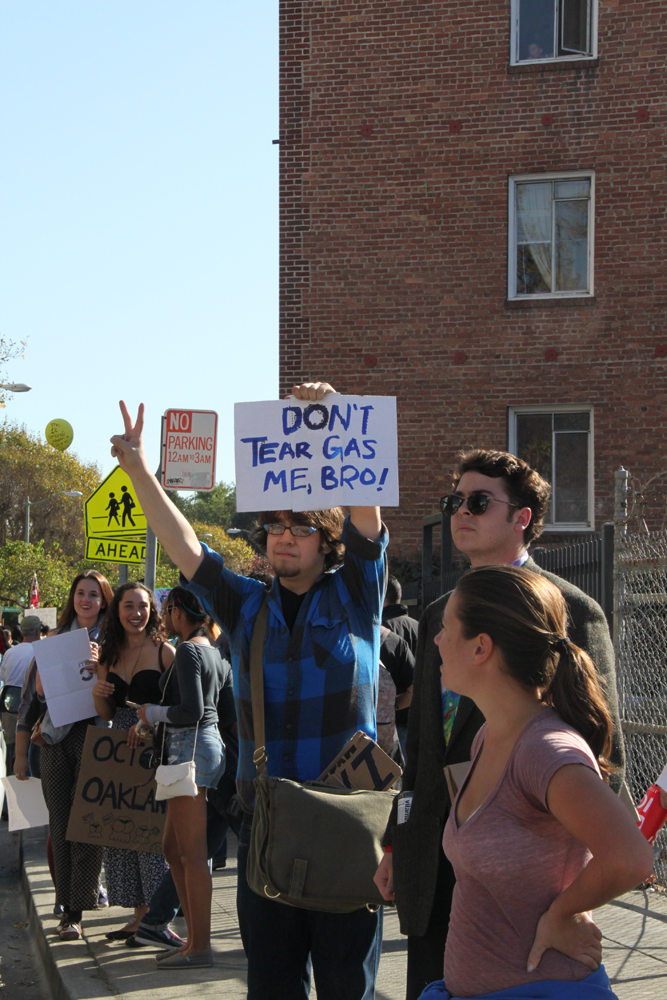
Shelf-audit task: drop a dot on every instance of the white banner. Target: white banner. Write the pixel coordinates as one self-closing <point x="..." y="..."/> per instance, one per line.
<point x="297" y="455"/>
<point x="67" y="681"/>
<point x="25" y="803"/>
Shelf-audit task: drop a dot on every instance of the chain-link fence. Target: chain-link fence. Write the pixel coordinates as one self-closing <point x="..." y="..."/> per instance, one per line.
<point x="640" y="640"/>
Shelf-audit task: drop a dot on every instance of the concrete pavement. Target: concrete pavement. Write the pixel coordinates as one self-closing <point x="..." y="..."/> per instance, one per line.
<point x="634" y="937"/>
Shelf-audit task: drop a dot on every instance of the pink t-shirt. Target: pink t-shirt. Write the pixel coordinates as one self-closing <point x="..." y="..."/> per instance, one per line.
<point x="511" y="859"/>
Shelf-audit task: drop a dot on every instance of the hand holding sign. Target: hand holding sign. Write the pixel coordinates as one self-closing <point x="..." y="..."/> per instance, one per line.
<point x="311" y="454"/>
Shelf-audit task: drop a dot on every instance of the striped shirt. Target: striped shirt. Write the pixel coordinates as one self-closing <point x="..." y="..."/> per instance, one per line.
<point x="320" y="680"/>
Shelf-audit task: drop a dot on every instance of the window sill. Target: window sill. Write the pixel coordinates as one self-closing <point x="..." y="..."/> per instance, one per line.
<point x="565" y="529"/>
<point x="556" y="302"/>
<point x="558" y="65"/>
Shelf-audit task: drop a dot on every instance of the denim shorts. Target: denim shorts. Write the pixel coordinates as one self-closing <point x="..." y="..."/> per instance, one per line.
<point x="209" y="752"/>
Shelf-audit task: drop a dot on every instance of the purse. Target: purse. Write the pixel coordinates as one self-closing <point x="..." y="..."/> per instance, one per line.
<point x="174" y="780"/>
<point x="36" y="734"/>
<point x="312" y="845"/>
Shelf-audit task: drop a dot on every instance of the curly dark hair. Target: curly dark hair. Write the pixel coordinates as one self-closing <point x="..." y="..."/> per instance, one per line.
<point x="113" y="639"/>
<point x="329" y="522"/>
<point x="525" y="487"/>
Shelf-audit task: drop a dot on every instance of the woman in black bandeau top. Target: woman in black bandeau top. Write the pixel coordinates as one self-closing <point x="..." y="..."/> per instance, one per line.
<point x="133" y="657"/>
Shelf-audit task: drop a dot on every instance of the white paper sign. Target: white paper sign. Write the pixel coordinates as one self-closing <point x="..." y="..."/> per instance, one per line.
<point x="188" y="449"/>
<point x="67" y="681"/>
<point x="25" y="803"/>
<point x="296" y="455"/>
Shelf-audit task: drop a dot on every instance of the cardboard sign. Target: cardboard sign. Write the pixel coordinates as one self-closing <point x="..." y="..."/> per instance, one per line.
<point x="25" y="803"/>
<point x="67" y="680"/>
<point x="362" y="764"/>
<point x="296" y="455"/>
<point x="189" y="439"/>
<point x="114" y="803"/>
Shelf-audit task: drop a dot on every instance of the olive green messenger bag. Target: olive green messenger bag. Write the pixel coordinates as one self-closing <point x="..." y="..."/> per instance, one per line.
<point x="312" y="845"/>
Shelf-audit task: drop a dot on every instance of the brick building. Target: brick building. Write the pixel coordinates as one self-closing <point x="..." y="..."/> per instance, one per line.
<point x="472" y="219"/>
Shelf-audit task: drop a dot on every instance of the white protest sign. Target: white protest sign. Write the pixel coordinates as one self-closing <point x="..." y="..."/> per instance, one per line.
<point x="25" y="803"/>
<point x="296" y="455"/>
<point x="189" y="441"/>
<point x="67" y="681"/>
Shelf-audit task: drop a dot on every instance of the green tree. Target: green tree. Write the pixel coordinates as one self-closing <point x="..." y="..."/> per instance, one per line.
<point x="31" y="468"/>
<point x="18" y="561"/>
<point x="8" y="350"/>
<point x="218" y="507"/>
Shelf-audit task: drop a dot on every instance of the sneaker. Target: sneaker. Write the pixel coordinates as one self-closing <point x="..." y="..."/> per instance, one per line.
<point x="69" y="932"/>
<point x="219" y="863"/>
<point x="58" y="910"/>
<point x="147" y="935"/>
<point x="102" y="899"/>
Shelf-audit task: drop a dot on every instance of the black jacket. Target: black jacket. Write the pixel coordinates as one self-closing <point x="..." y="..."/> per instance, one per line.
<point x="396" y="617"/>
<point x="417" y="844"/>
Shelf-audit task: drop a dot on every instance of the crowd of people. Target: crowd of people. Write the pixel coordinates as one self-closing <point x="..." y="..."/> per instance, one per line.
<point x="508" y="829"/>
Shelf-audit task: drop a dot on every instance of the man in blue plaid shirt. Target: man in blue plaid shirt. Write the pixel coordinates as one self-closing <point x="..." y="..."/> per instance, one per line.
<point x="321" y="658"/>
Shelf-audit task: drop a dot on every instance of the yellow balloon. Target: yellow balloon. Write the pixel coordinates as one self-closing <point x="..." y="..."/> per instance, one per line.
<point x="59" y="434"/>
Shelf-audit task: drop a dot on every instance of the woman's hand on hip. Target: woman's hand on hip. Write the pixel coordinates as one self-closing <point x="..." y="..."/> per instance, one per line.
<point x="576" y="936"/>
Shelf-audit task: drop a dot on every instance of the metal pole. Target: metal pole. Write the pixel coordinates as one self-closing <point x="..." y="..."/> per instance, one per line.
<point x="26" y="527"/>
<point x="620" y="531"/>
<point x="122" y="574"/>
<point x="607" y="573"/>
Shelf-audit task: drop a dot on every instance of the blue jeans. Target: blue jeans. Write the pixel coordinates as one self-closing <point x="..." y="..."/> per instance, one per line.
<point x="164" y="901"/>
<point x="281" y="942"/>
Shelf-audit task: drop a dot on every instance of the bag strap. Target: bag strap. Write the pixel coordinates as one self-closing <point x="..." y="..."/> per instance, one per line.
<point x="164" y="691"/>
<point x="257" y="685"/>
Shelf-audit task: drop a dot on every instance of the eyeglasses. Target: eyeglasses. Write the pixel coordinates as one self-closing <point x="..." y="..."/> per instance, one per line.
<point x="298" y="530"/>
<point x="477" y="503"/>
<point x="168" y="610"/>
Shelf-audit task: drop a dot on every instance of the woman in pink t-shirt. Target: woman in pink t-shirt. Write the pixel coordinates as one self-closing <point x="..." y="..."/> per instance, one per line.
<point x="536" y="837"/>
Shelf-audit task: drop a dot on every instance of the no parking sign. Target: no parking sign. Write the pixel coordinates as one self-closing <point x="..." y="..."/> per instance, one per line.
<point x="189" y="439"/>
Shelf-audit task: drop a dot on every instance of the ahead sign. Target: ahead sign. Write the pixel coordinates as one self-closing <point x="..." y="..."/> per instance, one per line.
<point x="189" y="439"/>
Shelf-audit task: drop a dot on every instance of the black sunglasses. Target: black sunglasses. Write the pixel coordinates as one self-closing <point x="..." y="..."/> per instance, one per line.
<point x="477" y="503"/>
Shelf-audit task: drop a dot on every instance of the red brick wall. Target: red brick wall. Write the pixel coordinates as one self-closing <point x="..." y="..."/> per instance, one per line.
<point x="394" y="228"/>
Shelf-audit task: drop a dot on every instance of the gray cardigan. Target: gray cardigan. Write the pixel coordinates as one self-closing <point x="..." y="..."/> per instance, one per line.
<point x="417" y="844"/>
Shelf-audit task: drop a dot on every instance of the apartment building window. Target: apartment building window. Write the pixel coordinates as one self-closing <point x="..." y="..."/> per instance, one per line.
<point x="551" y="235"/>
<point x="557" y="441"/>
<point x="553" y="29"/>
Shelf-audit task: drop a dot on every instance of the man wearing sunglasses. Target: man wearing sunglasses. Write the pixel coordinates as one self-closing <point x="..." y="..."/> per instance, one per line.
<point x="321" y="661"/>
<point x="497" y="507"/>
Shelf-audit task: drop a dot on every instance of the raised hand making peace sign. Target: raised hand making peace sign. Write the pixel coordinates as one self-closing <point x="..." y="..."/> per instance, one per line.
<point x="128" y="448"/>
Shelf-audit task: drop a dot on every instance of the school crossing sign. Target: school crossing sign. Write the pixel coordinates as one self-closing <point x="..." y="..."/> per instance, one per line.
<point x="115" y="522"/>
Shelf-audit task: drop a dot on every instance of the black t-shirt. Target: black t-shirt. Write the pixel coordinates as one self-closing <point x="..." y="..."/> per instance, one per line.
<point x="291" y="603"/>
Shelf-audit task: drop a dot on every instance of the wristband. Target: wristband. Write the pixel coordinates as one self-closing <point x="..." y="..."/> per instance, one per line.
<point x="388" y="849"/>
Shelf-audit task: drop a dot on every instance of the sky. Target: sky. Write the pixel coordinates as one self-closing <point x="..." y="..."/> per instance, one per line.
<point x="138" y="212"/>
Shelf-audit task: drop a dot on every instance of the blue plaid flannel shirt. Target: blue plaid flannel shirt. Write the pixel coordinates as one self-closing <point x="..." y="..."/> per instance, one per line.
<point x="320" y="681"/>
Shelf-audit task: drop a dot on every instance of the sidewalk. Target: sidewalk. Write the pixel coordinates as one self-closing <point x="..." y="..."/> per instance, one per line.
<point x="634" y="930"/>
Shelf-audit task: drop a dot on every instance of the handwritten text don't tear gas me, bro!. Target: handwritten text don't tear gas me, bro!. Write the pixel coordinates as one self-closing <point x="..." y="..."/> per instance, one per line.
<point x="351" y="447"/>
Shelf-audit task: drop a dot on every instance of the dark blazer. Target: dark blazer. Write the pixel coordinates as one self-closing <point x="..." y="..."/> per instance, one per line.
<point x="417" y="844"/>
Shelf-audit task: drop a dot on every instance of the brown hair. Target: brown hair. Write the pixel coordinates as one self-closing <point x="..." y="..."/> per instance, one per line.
<point x="329" y="522"/>
<point x="525" y="487"/>
<point x="526" y="616"/>
<point x="113" y="637"/>
<point x="69" y="614"/>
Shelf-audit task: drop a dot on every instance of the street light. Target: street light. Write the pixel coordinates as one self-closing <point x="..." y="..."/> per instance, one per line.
<point x="33" y="503"/>
<point x="16" y="387"/>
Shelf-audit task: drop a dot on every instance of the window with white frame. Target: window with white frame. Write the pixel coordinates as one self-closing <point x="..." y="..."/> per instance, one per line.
<point x="557" y="441"/>
<point x="551" y="235"/>
<point x="553" y="29"/>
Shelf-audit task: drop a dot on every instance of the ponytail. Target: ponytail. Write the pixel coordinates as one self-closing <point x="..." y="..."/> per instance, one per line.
<point x="526" y="616"/>
<point x="576" y="693"/>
